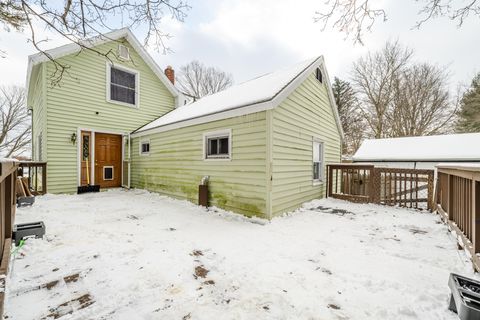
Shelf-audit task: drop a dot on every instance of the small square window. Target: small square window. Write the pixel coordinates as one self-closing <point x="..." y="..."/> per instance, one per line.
<point x="145" y="147"/>
<point x="217" y="145"/>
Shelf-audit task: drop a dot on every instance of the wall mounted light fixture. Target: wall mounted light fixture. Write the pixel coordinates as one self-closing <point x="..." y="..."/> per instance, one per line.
<point x="73" y="138"/>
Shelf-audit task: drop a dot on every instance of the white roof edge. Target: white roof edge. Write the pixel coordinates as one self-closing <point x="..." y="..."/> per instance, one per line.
<point x="469" y="166"/>
<point x="260" y="106"/>
<point x="70" y="48"/>
<point x="225" y="114"/>
<point x="435" y="148"/>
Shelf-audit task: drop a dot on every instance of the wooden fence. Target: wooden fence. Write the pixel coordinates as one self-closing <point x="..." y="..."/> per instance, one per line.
<point x="8" y="176"/>
<point x="412" y="188"/>
<point x="458" y="202"/>
<point x="36" y="172"/>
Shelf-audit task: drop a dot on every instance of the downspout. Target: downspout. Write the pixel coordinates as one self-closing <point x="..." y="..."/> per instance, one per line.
<point x="32" y="156"/>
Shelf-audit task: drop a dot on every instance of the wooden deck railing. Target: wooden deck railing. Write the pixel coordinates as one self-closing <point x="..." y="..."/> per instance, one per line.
<point x="8" y="176"/>
<point x="36" y="172"/>
<point x="366" y="183"/>
<point x="458" y="202"/>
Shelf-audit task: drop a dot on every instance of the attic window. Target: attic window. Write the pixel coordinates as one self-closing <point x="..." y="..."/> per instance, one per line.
<point x="123" y="52"/>
<point x="319" y="75"/>
<point x="122" y="85"/>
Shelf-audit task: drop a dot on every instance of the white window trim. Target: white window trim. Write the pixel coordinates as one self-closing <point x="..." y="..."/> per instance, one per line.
<point x="140" y="147"/>
<point x="109" y="65"/>
<point x="321" y="180"/>
<point x="214" y="134"/>
<point x="113" y="173"/>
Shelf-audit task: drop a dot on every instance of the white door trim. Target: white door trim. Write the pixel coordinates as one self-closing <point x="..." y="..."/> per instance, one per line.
<point x="92" y="151"/>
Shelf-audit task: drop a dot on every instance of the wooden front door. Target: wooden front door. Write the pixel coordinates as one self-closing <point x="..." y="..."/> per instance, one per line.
<point x="108" y="160"/>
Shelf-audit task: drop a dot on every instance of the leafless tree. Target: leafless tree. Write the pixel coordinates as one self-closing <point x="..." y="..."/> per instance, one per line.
<point x="80" y="20"/>
<point x="373" y="78"/>
<point x="15" y="122"/>
<point x="421" y="104"/>
<point x="353" y="17"/>
<point x="353" y="124"/>
<point x="197" y="80"/>
<point x="400" y="97"/>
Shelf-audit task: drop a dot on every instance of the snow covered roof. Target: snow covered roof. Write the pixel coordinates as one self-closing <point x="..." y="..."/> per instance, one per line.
<point x="261" y="93"/>
<point x="70" y="48"/>
<point x="451" y="147"/>
<point x="469" y="166"/>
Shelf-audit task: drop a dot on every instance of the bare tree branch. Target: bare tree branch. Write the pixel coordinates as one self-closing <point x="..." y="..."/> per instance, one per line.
<point x="421" y="103"/>
<point x="373" y="77"/>
<point x="79" y="20"/>
<point x="400" y="98"/>
<point x="197" y="80"/>
<point x="354" y="17"/>
<point x="15" y="122"/>
<point x="350" y="17"/>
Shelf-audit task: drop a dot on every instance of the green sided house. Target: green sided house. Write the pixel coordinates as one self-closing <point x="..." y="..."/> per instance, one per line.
<point x="120" y="121"/>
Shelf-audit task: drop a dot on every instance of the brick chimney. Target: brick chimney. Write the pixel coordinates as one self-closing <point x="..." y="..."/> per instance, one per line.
<point x="170" y="73"/>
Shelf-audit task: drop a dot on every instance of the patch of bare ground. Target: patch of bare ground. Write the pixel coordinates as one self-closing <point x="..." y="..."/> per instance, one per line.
<point x="201" y="272"/>
<point x="196" y="253"/>
<point x="418" y="231"/>
<point x="70" y="306"/>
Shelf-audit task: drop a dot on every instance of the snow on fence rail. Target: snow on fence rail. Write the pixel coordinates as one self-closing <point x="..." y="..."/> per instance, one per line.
<point x="412" y="188"/>
<point x="458" y="202"/>
<point x="8" y="176"/>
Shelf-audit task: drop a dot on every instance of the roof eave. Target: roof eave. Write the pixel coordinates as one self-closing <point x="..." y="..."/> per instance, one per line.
<point x="272" y="102"/>
<point x="225" y="114"/>
<point x="71" y="48"/>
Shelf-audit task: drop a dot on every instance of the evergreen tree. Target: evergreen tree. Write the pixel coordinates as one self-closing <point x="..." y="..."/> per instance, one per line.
<point x="469" y="113"/>
<point x="350" y="117"/>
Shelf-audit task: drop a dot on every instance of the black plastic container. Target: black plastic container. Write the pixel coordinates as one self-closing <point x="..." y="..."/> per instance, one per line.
<point x="24" y="230"/>
<point x="25" y="201"/>
<point x="465" y="297"/>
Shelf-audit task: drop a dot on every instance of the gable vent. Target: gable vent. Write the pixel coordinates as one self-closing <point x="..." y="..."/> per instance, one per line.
<point x="123" y="52"/>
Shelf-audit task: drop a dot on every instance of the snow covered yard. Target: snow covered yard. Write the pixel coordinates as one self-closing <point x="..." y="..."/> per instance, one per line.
<point x="137" y="255"/>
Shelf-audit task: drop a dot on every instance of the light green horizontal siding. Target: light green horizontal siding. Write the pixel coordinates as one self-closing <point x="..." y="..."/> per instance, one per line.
<point x="81" y="94"/>
<point x="37" y="102"/>
<point x="305" y="114"/>
<point x="175" y="165"/>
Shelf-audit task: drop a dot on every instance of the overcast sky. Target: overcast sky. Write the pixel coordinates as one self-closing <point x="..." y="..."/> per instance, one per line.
<point x="251" y="37"/>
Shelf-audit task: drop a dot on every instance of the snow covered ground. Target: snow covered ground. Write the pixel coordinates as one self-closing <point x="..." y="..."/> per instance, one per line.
<point x="137" y="255"/>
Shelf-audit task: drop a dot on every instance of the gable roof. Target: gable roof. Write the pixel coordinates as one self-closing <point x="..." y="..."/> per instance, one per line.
<point x="261" y="93"/>
<point x="451" y="147"/>
<point x="70" y="48"/>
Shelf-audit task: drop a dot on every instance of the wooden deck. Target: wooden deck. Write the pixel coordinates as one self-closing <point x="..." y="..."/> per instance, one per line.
<point x="8" y="176"/>
<point x="458" y="203"/>
<point x="411" y="188"/>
